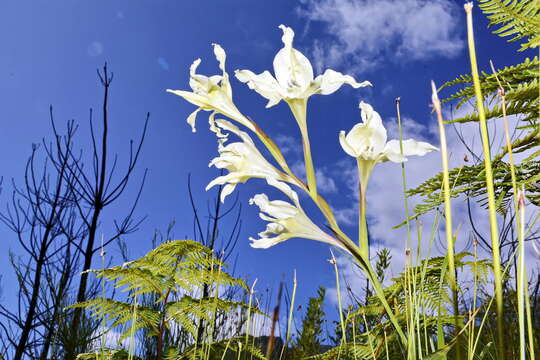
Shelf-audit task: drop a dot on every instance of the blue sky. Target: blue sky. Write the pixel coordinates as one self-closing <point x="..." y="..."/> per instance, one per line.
<point x="51" y="50"/>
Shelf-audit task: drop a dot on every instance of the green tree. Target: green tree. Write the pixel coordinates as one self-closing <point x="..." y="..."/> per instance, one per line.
<point x="309" y="340"/>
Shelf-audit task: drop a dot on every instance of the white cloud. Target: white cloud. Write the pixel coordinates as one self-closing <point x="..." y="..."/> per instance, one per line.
<point x="289" y="144"/>
<point x="366" y="30"/>
<point x="325" y="184"/>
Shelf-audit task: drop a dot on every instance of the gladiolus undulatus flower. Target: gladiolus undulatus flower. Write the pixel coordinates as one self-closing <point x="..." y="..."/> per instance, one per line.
<point x="211" y="93"/>
<point x="286" y="220"/>
<point x="242" y="159"/>
<point x="294" y="83"/>
<point x="367" y="141"/>
<point x="294" y="76"/>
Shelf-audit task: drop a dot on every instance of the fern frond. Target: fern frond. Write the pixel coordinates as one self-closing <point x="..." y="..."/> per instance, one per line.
<point x="120" y="314"/>
<point x="108" y="354"/>
<point x="517" y="19"/>
<point x="470" y="180"/>
<point x="347" y="350"/>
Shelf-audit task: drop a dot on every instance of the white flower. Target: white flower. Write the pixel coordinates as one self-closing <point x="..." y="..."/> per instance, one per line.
<point x="286" y="220"/>
<point x="367" y="141"/>
<point x="294" y="76"/>
<point x="242" y="159"/>
<point x="211" y="93"/>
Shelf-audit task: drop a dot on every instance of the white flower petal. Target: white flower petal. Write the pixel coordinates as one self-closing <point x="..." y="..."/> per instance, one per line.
<point x="264" y="84"/>
<point x="345" y="145"/>
<point x="215" y="129"/>
<point x="192" y="118"/>
<point x="193" y="98"/>
<point x="265" y="243"/>
<point x="278" y="209"/>
<point x="228" y="126"/>
<point x="411" y="147"/>
<point x="226" y="190"/>
<point x="220" y="56"/>
<point x="372" y="119"/>
<point x="367" y="142"/>
<point x="292" y="69"/>
<point x="283" y="187"/>
<point x="330" y="81"/>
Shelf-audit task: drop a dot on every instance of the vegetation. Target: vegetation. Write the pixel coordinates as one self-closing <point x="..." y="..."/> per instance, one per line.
<point x="180" y="302"/>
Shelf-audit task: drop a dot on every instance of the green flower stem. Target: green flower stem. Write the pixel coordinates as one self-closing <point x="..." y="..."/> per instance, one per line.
<point x="251" y="293"/>
<point x="521" y="274"/>
<point x="519" y="205"/>
<point x="366" y="267"/>
<point x="489" y="185"/>
<point x="403" y="177"/>
<point x="272" y="148"/>
<point x="333" y="261"/>
<point x="362" y="261"/>
<point x="364" y="172"/>
<point x="410" y="285"/>
<point x="448" y="216"/>
<point x="291" y="310"/>
<point x="299" y="110"/>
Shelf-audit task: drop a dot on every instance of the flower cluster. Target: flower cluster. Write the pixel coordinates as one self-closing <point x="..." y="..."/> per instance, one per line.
<point x="293" y="82"/>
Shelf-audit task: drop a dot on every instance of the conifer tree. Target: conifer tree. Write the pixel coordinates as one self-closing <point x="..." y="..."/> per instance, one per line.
<point x="309" y="340"/>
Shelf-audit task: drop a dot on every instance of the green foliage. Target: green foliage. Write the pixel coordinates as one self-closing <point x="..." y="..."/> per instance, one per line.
<point x="373" y="333"/>
<point x="383" y="263"/>
<point x="522" y="99"/>
<point x="517" y="19"/>
<point x="107" y="354"/>
<point x="470" y="180"/>
<point x="521" y="90"/>
<point x="309" y="340"/>
<point x="519" y="81"/>
<point x="168" y="274"/>
<point x="227" y="349"/>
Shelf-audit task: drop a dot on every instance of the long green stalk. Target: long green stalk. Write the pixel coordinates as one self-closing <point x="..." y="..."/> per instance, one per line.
<point x="364" y="172"/>
<point x="369" y="336"/>
<point x="360" y="253"/>
<point x="448" y="216"/>
<point x="496" y="258"/>
<point x="289" y="320"/>
<point x="410" y="308"/>
<point x="299" y="110"/>
<point x="403" y="175"/>
<point x="519" y="206"/>
<point x="521" y="274"/>
<point x="333" y="261"/>
<point x="132" y="330"/>
<point x="251" y="292"/>
<point x="291" y="310"/>
<point x="487" y="311"/>
<point x="414" y="349"/>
